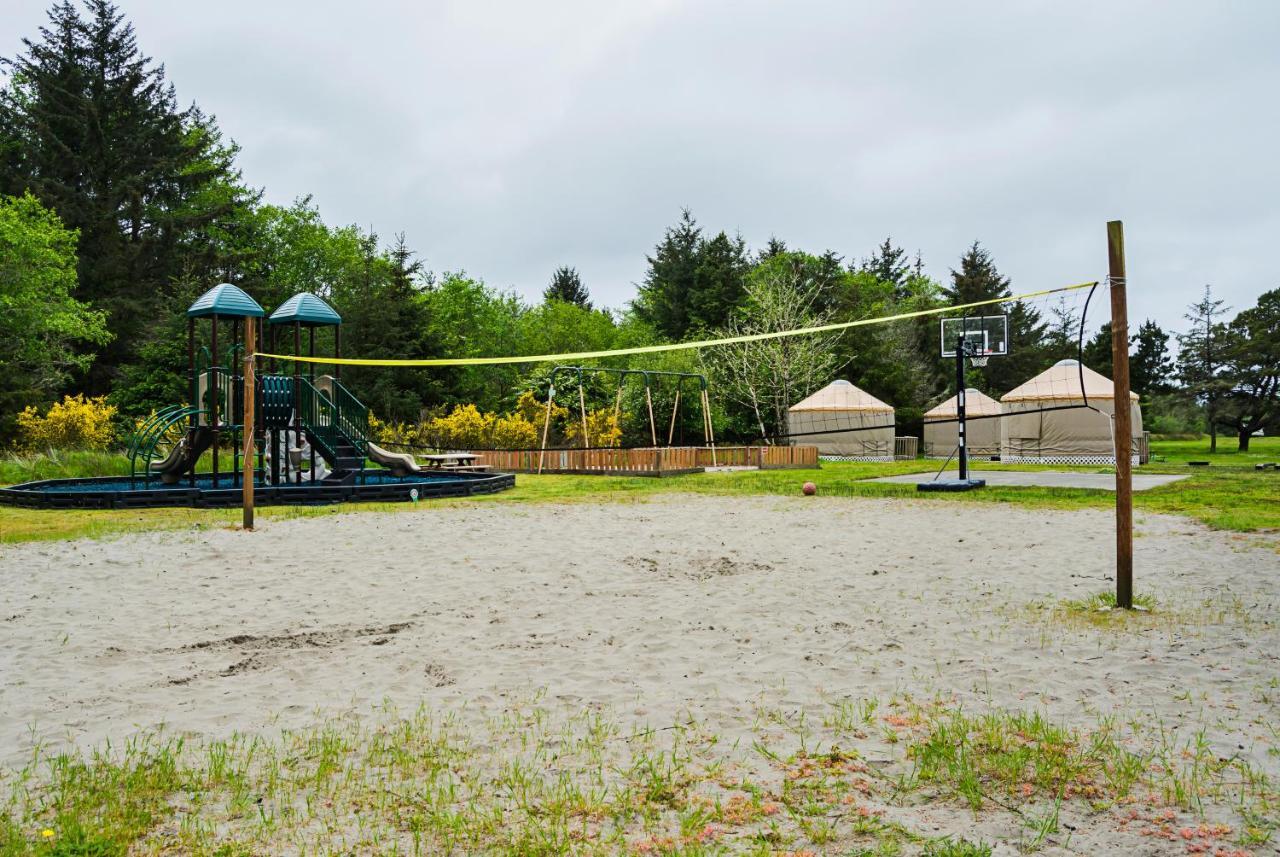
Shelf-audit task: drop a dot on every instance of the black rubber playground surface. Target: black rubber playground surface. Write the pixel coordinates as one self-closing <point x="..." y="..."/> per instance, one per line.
<point x="119" y="492"/>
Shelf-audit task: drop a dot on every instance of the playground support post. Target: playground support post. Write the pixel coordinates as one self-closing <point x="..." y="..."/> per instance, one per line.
<point x="546" y="425"/>
<point x="1123" y="415"/>
<point x="582" y="408"/>
<point x="250" y="387"/>
<point x="671" y="431"/>
<point x="648" y="398"/>
<point x="711" y="434"/>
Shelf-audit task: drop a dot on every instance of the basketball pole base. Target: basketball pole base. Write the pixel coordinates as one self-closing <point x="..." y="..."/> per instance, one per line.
<point x="951" y="485"/>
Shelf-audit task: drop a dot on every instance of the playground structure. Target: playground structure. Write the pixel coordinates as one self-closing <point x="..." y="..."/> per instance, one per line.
<point x="310" y="433"/>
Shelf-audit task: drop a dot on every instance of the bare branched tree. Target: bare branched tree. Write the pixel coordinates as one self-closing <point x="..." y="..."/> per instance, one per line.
<point x="769" y="376"/>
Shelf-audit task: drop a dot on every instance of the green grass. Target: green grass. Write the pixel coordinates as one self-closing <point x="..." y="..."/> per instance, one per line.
<point x="1228" y="495"/>
<point x="529" y="781"/>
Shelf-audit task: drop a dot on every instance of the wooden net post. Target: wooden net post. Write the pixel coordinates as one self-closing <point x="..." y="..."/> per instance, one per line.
<point x="1123" y="415"/>
<point x="582" y="408"/>
<point x="249" y="423"/>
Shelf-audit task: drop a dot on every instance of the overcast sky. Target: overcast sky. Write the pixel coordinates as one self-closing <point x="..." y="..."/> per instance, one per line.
<point x="508" y="139"/>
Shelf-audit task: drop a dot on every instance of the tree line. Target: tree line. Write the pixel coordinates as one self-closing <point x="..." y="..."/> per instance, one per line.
<point x="119" y="205"/>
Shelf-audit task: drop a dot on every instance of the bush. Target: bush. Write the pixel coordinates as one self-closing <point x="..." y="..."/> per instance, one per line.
<point x="602" y="429"/>
<point x="465" y="428"/>
<point x="74" y="423"/>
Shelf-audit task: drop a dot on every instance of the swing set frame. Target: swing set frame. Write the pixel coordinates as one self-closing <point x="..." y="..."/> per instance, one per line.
<point x="579" y="372"/>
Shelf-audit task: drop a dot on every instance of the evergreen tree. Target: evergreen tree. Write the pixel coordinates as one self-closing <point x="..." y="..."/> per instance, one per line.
<point x="719" y="283"/>
<point x="1062" y="334"/>
<point x="89" y="125"/>
<point x="1201" y="359"/>
<point x="1150" y="366"/>
<point x="978" y="280"/>
<point x="774" y="247"/>
<point x="1098" y="354"/>
<point x="567" y="286"/>
<point x="889" y="265"/>
<point x="662" y="300"/>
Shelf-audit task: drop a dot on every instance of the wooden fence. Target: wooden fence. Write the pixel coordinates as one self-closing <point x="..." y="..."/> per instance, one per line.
<point x="661" y="461"/>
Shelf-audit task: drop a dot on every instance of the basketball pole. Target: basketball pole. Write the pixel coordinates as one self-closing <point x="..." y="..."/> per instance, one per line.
<point x="250" y="387"/>
<point x="963" y="452"/>
<point x="1123" y="415"/>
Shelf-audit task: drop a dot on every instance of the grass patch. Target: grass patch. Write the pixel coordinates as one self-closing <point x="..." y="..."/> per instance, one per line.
<point x="1099" y="612"/>
<point x="529" y="782"/>
<point x="1102" y="602"/>
<point x="1234" y="499"/>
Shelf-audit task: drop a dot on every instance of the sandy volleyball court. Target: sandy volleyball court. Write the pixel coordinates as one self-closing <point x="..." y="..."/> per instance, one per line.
<point x="651" y="611"/>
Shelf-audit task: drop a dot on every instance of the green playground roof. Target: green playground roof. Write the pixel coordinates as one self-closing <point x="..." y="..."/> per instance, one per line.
<point x="225" y="300"/>
<point x="305" y="308"/>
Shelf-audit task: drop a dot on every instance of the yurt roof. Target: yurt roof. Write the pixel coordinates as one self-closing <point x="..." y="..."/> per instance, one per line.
<point x="1061" y="382"/>
<point x="842" y="396"/>
<point x="976" y="404"/>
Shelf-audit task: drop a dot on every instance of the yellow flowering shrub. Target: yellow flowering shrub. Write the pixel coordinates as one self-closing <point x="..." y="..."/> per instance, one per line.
<point x="515" y="432"/>
<point x="602" y="429"/>
<point x="530" y="409"/>
<point x="76" y="422"/>
<point x="465" y="428"/>
<point x="396" y="434"/>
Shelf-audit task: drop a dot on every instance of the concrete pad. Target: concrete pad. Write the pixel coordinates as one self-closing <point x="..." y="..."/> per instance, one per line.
<point x="1043" y="479"/>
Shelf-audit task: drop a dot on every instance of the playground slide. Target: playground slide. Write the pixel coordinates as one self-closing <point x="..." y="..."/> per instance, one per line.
<point x="184" y="455"/>
<point x="401" y="464"/>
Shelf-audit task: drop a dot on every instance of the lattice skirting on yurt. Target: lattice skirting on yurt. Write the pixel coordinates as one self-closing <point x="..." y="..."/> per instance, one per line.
<point x="1062" y="459"/>
<point x="855" y="458"/>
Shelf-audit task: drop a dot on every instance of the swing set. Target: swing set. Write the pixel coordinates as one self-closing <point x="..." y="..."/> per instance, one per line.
<point x="580" y="372"/>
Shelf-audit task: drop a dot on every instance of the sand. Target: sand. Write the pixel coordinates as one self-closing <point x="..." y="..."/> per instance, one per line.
<point x="653" y="610"/>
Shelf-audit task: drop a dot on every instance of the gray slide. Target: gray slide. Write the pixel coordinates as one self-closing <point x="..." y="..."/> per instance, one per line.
<point x="399" y="463"/>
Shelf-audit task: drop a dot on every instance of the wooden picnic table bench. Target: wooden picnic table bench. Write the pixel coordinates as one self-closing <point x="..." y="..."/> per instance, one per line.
<point x="450" y="459"/>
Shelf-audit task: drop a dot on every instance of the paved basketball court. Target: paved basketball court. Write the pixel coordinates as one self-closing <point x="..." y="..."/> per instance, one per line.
<point x="1045" y="479"/>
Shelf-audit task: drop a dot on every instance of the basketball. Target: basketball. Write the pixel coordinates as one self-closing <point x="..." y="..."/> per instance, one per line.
<point x="809" y="489"/>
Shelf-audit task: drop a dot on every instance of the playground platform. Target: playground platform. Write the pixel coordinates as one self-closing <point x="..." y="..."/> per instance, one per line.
<point x="120" y="492"/>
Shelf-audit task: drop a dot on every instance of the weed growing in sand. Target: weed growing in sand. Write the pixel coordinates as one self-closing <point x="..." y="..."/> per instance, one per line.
<point x="526" y="782"/>
<point x="1099" y="612"/>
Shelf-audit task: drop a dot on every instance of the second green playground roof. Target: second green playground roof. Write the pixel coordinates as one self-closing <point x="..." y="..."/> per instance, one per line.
<point x="305" y="308"/>
<point x="225" y="299"/>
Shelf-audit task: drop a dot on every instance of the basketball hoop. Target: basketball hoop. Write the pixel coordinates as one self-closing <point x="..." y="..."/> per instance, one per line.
<point x="979" y="361"/>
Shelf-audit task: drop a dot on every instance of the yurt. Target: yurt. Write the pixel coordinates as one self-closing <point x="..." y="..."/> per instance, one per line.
<point x="982" y="426"/>
<point x="825" y="419"/>
<point x="1069" y="435"/>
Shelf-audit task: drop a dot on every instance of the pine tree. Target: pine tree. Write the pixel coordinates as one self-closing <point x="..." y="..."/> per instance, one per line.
<point x="978" y="280"/>
<point x="1098" y="354"/>
<point x="774" y="247"/>
<point x="567" y="286"/>
<point x="1062" y="335"/>
<point x="719" y="284"/>
<point x="662" y="300"/>
<point x="1201" y="358"/>
<point x="889" y="265"/>
<point x="89" y="125"/>
<point x="1150" y="366"/>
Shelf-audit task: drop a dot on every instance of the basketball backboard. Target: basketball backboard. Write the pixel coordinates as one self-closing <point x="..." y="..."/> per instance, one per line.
<point x="984" y="335"/>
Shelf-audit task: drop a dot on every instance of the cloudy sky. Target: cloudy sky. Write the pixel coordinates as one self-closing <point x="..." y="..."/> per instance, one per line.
<point x="508" y="139"/>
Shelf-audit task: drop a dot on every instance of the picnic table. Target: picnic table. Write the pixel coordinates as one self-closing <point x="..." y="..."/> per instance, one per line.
<point x="452" y="461"/>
